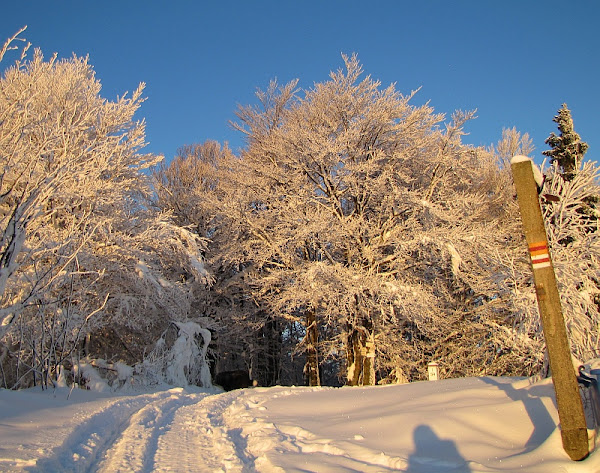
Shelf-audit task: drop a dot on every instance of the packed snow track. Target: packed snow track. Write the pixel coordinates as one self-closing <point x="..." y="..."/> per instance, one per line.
<point x="147" y="432"/>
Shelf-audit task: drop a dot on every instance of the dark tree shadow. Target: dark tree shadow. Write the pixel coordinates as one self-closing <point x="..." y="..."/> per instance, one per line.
<point x="541" y="420"/>
<point x="435" y="455"/>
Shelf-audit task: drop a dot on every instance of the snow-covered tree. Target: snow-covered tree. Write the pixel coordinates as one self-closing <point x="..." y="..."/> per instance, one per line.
<point x="567" y="149"/>
<point x="79" y="244"/>
<point x="512" y="144"/>
<point x="575" y="246"/>
<point x="363" y="220"/>
<point x="189" y="184"/>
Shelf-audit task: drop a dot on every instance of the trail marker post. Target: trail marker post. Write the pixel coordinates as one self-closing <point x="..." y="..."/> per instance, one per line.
<point x="433" y="371"/>
<point x="573" y="428"/>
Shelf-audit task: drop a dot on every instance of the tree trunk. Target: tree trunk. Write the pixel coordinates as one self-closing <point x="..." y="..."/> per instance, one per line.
<point x="271" y="363"/>
<point x="354" y="356"/>
<point x="311" y="369"/>
<point x="360" y="350"/>
<point x="369" y="360"/>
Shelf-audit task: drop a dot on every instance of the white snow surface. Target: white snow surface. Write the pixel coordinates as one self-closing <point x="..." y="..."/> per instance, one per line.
<point x="487" y="424"/>
<point x="519" y="159"/>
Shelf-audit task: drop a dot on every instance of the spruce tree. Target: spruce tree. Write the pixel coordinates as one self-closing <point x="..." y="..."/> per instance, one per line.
<point x="567" y="148"/>
<point x="567" y="154"/>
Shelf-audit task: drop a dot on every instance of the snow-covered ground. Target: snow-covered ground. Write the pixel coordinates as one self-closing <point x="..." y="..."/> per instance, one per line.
<point x="458" y="425"/>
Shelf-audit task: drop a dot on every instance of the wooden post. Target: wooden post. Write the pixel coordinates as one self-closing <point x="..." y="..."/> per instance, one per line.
<point x="570" y="408"/>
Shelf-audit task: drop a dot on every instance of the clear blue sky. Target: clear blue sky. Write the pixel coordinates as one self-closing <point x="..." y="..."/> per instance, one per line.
<point x="516" y="61"/>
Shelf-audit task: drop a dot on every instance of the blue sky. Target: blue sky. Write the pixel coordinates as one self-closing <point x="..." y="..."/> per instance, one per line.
<point x="515" y="61"/>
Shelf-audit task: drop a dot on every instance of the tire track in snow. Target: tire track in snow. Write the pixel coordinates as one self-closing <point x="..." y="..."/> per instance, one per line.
<point x="200" y="441"/>
<point x="135" y="448"/>
<point x="85" y="448"/>
<point x="166" y="431"/>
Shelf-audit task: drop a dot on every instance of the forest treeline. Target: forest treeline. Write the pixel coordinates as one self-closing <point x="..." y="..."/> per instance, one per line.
<point x="352" y="240"/>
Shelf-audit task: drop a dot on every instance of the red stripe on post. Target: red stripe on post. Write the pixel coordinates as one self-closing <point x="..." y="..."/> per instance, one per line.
<point x="538" y="247"/>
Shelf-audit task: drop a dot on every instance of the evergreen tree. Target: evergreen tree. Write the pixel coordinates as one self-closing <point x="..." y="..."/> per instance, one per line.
<point x="567" y="148"/>
<point x="567" y="157"/>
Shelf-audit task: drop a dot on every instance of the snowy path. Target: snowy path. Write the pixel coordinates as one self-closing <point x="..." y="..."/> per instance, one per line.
<point x="201" y="441"/>
<point x="146" y="433"/>
<point x="121" y="436"/>
<point x="135" y="446"/>
<point x="471" y="425"/>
